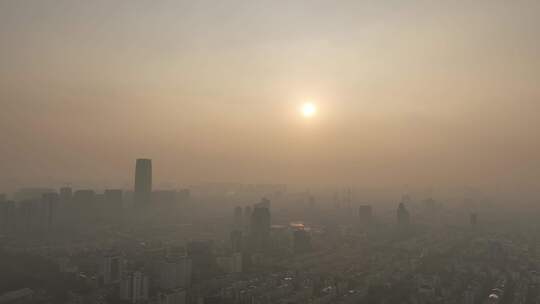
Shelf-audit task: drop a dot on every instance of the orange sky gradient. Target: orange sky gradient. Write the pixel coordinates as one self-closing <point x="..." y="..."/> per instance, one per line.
<point x="423" y="94"/>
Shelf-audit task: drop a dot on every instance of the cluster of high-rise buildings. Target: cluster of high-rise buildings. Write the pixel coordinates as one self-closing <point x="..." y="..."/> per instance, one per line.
<point x="249" y="261"/>
<point x="42" y="210"/>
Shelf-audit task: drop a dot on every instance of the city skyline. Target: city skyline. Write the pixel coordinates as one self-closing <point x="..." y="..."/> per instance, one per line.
<point x="269" y="152"/>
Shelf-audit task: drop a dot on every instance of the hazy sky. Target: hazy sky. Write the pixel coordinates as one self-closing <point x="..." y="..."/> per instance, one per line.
<point x="422" y="93"/>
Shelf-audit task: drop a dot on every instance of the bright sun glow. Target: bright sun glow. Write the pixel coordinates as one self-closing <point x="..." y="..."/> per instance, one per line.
<point x="308" y="109"/>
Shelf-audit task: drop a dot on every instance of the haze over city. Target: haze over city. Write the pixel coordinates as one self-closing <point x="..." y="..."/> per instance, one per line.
<point x="422" y="93"/>
<point x="269" y="152"/>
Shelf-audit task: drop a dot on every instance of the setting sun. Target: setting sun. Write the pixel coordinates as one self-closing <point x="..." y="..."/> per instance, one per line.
<point x="308" y="109"/>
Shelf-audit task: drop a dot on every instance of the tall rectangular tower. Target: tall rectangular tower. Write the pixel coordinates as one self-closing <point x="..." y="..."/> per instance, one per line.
<point x="143" y="181"/>
<point x="260" y="226"/>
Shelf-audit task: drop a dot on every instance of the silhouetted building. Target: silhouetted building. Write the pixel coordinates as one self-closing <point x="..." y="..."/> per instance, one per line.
<point x="111" y="269"/>
<point x="173" y="273"/>
<point x="260" y="227"/>
<point x="66" y="194"/>
<point x="230" y="264"/>
<point x="301" y="241"/>
<point x="143" y="181"/>
<point x="31" y="193"/>
<point x="84" y="197"/>
<point x="134" y="287"/>
<point x="85" y="205"/>
<point x="32" y="216"/>
<point x="403" y="217"/>
<point x="25" y="216"/>
<point x="8" y="217"/>
<point x="50" y="208"/>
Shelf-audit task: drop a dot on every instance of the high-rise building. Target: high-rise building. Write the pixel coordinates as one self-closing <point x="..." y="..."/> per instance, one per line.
<point x="173" y="273"/>
<point x="27" y="216"/>
<point x="301" y="241"/>
<point x="176" y="296"/>
<point x="30" y="194"/>
<point x="84" y="197"/>
<point x="66" y="194"/>
<point x="143" y="181"/>
<point x="111" y="269"/>
<point x="8" y="218"/>
<point x="37" y="215"/>
<point x="50" y="207"/>
<point x="67" y="210"/>
<point x="85" y="205"/>
<point x="403" y="217"/>
<point x="230" y="264"/>
<point x="260" y="227"/>
<point x="134" y="287"/>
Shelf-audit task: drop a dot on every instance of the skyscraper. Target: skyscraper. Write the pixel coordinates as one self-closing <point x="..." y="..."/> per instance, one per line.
<point x="66" y="194"/>
<point x="301" y="241"/>
<point x="111" y="269"/>
<point x="173" y="273"/>
<point x="50" y="206"/>
<point x="134" y="287"/>
<point x="403" y="217"/>
<point x="143" y="181"/>
<point x="85" y="205"/>
<point x="260" y="226"/>
<point x="8" y="217"/>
